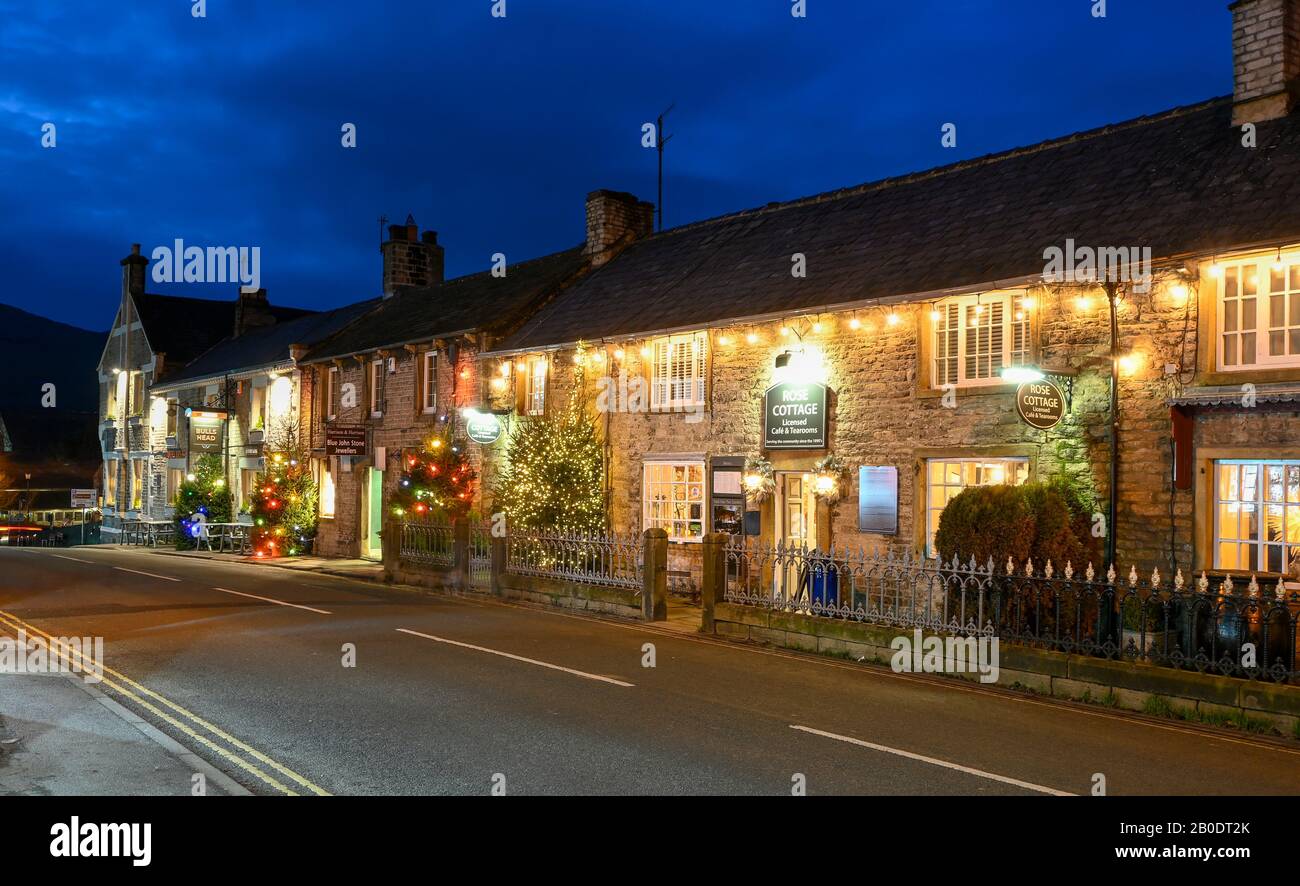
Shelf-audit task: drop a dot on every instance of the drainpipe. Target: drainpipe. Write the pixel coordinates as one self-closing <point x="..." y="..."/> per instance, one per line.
<point x="1112" y="295"/>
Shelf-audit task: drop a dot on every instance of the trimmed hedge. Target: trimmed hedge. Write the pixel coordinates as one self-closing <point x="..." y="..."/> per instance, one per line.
<point x="1041" y="521"/>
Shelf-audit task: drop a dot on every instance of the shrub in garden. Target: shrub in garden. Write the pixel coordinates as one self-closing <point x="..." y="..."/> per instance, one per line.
<point x="1038" y="521"/>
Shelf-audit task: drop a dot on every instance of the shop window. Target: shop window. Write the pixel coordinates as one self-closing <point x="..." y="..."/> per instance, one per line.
<point x="674" y="499"/>
<point x="976" y="337"/>
<point x="325" y="482"/>
<point x="727" y="498"/>
<point x="678" y="371"/>
<point x="946" y="477"/>
<point x="1259" y="313"/>
<point x="1257" y="515"/>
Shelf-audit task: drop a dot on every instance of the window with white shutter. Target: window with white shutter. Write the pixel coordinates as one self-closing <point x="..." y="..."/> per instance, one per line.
<point x="678" y="371"/>
<point x="976" y="337"/>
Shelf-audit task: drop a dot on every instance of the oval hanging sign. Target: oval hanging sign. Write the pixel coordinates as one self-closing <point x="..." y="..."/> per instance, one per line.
<point x="1041" y="404"/>
<point x="482" y="427"/>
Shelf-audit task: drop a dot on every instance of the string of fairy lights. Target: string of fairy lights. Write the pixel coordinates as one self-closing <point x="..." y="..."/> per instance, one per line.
<point x="876" y="319"/>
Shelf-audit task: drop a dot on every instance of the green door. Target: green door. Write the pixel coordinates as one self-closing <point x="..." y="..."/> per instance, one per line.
<point x="376" y="511"/>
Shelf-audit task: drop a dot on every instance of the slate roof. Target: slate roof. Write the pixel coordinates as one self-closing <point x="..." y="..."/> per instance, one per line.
<point x="183" y="327"/>
<point x="477" y="302"/>
<point x="1180" y="182"/>
<point x="269" y="345"/>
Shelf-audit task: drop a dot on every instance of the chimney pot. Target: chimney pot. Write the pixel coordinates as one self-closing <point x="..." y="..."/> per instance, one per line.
<point x="411" y="260"/>
<point x="614" y="219"/>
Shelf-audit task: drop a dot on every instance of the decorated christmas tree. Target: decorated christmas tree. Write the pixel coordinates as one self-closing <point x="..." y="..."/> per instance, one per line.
<point x="283" y="505"/>
<point x="437" y="479"/>
<point x="554" y="473"/>
<point x="203" y="497"/>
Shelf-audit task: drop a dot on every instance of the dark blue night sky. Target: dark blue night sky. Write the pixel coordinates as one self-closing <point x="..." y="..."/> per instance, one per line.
<point x="225" y="130"/>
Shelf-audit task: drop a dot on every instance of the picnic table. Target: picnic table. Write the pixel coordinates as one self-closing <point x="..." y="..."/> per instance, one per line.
<point x="232" y="536"/>
<point x="143" y="531"/>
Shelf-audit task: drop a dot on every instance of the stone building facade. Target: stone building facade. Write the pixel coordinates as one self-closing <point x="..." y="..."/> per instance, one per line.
<point x="909" y="298"/>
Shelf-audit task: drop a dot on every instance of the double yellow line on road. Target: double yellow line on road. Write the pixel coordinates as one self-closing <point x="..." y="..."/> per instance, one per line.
<point x="141" y="695"/>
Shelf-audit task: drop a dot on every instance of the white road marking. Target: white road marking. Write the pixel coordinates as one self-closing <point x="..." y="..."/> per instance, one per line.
<point x="73" y="559"/>
<point x="269" y="600"/>
<point x="935" y="762"/>
<point x="532" y="661"/>
<point x="150" y="574"/>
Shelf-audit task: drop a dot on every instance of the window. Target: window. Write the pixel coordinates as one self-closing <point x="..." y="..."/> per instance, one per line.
<point x="677" y="374"/>
<point x="135" y="405"/>
<point x="535" y="395"/>
<point x="325" y="481"/>
<point x="331" y="393"/>
<point x="976" y="337"/>
<point x="1257" y="515"/>
<point x="175" y="476"/>
<point x="110" y="482"/>
<point x="674" y="499"/>
<point x="172" y="411"/>
<point x="247" y="486"/>
<point x="946" y="477"/>
<point x="376" y="388"/>
<point x="1259" y="314"/>
<point x="430" y="397"/>
<point x="257" y="408"/>
<point x="727" y="496"/>
<point x="211" y="397"/>
<point x="137" y="483"/>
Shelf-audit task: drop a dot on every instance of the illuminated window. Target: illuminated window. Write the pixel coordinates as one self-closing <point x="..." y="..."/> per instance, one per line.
<point x="247" y="486"/>
<point x="678" y="371"/>
<point x="137" y="483"/>
<point x="111" y="468"/>
<point x="976" y="337"/>
<point x="535" y="396"/>
<point x="257" y="408"/>
<point x="673" y="499"/>
<point x="331" y="393"/>
<point x="1259" y="314"/>
<point x="946" y="477"/>
<point x="430" y="382"/>
<point x="376" y="388"/>
<point x="172" y="412"/>
<point x="1257" y="515"/>
<point x="325" y="481"/>
<point x="175" y="476"/>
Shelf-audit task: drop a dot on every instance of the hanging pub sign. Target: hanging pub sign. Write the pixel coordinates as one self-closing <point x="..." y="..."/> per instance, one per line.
<point x="483" y="428"/>
<point x="345" y="439"/>
<point x="1040" y="404"/>
<point x="794" y="416"/>
<point x="205" y="430"/>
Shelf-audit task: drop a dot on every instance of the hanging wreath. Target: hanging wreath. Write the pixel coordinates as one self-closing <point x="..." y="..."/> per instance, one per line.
<point x="828" y="478"/>
<point x="759" y="479"/>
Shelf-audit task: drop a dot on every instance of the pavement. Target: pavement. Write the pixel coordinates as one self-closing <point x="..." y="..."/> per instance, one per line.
<point x="293" y="681"/>
<point x="60" y="736"/>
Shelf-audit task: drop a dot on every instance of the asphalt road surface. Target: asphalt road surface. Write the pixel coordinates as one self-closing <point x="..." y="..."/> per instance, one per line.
<point x="246" y="667"/>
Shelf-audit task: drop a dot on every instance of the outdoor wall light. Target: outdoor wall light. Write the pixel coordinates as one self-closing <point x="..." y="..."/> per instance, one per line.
<point x="1022" y="374"/>
<point x="855" y="323"/>
<point x="751" y="339"/>
<point x="783" y="359"/>
<point x="893" y="318"/>
<point x="619" y="354"/>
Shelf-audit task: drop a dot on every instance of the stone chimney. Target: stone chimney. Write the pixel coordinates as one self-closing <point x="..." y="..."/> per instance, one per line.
<point x="252" y="309"/>
<point x="1265" y="59"/>
<point x="411" y="259"/>
<point x="615" y="219"/>
<point x="133" y="271"/>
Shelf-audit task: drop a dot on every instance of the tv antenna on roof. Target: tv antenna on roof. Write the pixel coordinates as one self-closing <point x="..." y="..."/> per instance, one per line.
<point x="660" y="141"/>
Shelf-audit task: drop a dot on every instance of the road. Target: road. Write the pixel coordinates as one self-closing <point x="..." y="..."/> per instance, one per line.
<point x="244" y="666"/>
